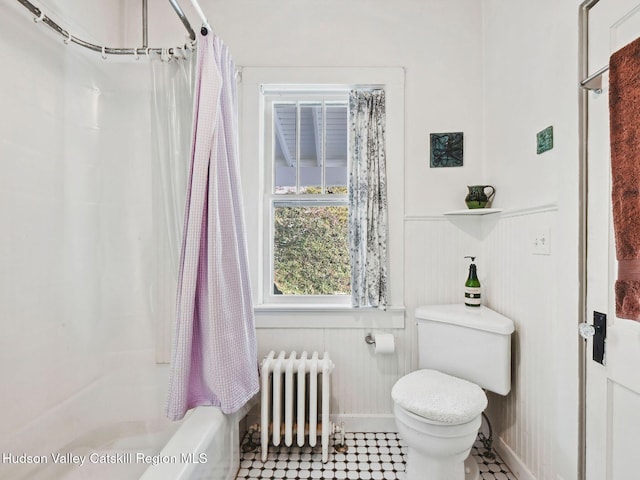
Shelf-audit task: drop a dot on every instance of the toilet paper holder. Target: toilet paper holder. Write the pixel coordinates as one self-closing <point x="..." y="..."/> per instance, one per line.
<point x="383" y="343"/>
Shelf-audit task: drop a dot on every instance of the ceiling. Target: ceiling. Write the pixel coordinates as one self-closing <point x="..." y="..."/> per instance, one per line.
<point x="310" y="134"/>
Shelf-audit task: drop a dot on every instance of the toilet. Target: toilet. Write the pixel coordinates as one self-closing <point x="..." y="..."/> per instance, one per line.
<point x="462" y="351"/>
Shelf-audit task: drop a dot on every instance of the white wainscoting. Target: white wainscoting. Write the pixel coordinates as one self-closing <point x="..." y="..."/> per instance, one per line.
<point x="523" y="286"/>
<point x="435" y="271"/>
<point x="515" y="282"/>
<point x="361" y="381"/>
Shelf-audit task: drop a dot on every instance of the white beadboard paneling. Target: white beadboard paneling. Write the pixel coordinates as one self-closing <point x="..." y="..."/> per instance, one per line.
<point x="436" y="267"/>
<point x="523" y="287"/>
<point x="365" y="379"/>
<point x="361" y="380"/>
<point x="435" y="272"/>
<point x="278" y="339"/>
<point x="517" y="284"/>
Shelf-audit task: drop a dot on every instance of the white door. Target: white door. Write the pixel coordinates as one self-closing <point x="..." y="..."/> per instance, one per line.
<point x="613" y="389"/>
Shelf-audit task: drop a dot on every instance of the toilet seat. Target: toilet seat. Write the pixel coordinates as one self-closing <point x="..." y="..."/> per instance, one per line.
<point x="438" y="397"/>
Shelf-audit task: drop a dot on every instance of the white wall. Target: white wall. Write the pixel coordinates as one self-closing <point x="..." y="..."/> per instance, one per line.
<point x="498" y="70"/>
<point x="75" y="211"/>
<point x="437" y="42"/>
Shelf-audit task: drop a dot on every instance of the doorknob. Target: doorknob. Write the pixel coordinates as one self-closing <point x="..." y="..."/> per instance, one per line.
<point x="587" y="331"/>
<point x="599" y="333"/>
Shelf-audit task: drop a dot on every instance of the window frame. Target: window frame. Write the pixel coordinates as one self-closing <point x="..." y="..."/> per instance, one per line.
<point x="292" y="94"/>
<point x="254" y="82"/>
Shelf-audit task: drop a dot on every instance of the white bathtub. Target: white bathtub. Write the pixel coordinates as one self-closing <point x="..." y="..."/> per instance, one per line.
<point x="206" y="446"/>
<point x="115" y="427"/>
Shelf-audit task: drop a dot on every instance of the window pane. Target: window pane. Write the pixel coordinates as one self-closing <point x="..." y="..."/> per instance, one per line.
<point x="311" y="251"/>
<point x="284" y="147"/>
<point x="311" y="148"/>
<point x="337" y="147"/>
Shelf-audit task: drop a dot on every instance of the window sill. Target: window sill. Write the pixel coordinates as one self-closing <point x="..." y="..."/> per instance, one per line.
<point x="327" y="316"/>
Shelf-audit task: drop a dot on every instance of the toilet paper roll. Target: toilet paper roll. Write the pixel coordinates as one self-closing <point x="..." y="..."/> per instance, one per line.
<point x="384" y="343"/>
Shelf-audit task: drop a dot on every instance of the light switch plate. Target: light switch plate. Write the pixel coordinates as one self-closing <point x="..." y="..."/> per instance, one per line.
<point x="541" y="244"/>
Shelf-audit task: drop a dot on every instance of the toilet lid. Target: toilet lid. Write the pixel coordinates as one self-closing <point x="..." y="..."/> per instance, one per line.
<point x="439" y="397"/>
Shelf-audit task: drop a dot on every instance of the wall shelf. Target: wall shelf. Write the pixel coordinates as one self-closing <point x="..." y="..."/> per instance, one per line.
<point x="474" y="211"/>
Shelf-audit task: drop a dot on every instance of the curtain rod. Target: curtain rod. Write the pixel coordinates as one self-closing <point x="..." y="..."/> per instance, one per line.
<point x="41" y="17"/>
<point x="205" y="24"/>
<point x="183" y="19"/>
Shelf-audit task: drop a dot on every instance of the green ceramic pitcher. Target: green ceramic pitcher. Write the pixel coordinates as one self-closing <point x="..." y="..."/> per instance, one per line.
<point x="477" y="196"/>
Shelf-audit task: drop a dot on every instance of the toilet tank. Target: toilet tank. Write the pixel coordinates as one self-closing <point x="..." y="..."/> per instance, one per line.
<point x="467" y="342"/>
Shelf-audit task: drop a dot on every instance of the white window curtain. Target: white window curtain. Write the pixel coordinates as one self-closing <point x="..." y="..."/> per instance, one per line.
<point x="368" y="228"/>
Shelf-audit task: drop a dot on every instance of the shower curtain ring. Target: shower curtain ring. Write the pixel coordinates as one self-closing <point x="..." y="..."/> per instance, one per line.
<point x="40" y="18"/>
<point x="135" y="54"/>
<point x="146" y="51"/>
<point x="68" y="39"/>
<point x="104" y="54"/>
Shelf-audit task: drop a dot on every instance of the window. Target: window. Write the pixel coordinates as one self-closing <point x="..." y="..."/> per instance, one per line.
<point x="306" y="197"/>
<point x="262" y="86"/>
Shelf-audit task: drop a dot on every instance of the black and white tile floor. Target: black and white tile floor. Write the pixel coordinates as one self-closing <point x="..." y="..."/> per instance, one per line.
<point x="370" y="456"/>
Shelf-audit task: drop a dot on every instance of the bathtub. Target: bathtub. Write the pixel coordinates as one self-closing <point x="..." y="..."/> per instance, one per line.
<point x="206" y="446"/>
<point x="114" y="429"/>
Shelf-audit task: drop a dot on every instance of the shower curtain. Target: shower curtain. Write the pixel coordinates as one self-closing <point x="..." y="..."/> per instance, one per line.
<point x="214" y="358"/>
<point x="171" y="116"/>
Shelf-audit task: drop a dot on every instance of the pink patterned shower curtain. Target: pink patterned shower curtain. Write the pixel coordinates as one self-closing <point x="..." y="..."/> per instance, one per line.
<point x="214" y="357"/>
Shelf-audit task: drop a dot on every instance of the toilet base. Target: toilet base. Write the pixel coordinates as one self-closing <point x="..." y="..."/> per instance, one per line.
<point x="441" y="470"/>
<point x="436" y="449"/>
<point x="471" y="470"/>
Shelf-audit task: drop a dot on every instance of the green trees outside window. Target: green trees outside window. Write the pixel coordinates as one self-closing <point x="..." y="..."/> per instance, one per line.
<point x="311" y="250"/>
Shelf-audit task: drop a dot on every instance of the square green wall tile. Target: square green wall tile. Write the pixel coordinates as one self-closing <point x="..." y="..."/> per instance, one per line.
<point x="544" y="140"/>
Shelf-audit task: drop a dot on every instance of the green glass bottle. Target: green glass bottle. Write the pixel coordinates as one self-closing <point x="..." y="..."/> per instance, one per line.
<point x="472" y="297"/>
